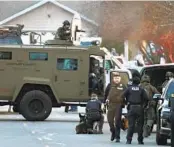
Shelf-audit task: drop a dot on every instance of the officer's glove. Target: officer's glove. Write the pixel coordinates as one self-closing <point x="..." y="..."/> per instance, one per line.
<point x="107" y="101"/>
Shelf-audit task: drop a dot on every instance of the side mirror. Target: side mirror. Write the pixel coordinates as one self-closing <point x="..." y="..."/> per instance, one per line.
<point x="157" y="97"/>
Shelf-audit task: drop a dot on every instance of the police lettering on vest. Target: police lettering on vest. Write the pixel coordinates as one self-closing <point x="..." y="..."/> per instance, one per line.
<point x="135" y="88"/>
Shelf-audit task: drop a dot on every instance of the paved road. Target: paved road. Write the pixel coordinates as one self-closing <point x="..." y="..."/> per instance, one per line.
<point x="57" y="131"/>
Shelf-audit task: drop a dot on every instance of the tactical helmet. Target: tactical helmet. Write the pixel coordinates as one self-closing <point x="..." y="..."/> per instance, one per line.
<point x="136" y="80"/>
<point x="169" y="75"/>
<point x="66" y="22"/>
<point x="145" y="78"/>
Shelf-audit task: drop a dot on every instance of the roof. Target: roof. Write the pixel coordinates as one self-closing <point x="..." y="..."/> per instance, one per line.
<point x="34" y="5"/>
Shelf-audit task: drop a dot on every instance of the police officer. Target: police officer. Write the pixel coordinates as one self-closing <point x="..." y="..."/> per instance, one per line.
<point x="150" y="114"/>
<point x="136" y="98"/>
<point x="64" y="32"/>
<point x="168" y="76"/>
<point x="115" y="103"/>
<point x="94" y="113"/>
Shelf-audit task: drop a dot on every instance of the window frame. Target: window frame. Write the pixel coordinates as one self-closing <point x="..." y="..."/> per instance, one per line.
<point x="76" y="59"/>
<point x="29" y="56"/>
<point x="6" y="52"/>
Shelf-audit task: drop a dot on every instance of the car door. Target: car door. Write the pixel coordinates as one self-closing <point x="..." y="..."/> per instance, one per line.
<point x="67" y="76"/>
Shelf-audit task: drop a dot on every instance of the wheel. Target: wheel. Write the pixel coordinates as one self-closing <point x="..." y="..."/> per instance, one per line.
<point x="160" y="139"/>
<point x="15" y="109"/>
<point x="35" y="105"/>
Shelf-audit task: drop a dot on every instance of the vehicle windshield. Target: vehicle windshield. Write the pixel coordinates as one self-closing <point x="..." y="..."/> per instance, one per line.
<point x="13" y="40"/>
<point x="170" y="91"/>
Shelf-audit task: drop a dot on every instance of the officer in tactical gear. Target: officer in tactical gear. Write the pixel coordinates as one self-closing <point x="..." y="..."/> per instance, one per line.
<point x="115" y="103"/>
<point x="150" y="111"/>
<point x="94" y="113"/>
<point x="64" y="32"/>
<point x="168" y="76"/>
<point x="136" y="98"/>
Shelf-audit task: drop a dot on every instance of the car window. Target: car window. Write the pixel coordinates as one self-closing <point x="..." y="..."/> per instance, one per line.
<point x="67" y="64"/>
<point x="170" y="91"/>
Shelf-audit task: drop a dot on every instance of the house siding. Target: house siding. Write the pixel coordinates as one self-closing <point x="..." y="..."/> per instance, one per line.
<point x="47" y="18"/>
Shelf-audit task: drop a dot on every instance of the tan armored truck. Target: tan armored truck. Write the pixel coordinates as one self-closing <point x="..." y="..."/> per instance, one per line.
<point x="36" y="78"/>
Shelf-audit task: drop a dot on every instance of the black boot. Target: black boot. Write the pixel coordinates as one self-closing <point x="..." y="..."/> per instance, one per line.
<point x="117" y="140"/>
<point x="140" y="142"/>
<point x="112" y="135"/>
<point x="128" y="142"/>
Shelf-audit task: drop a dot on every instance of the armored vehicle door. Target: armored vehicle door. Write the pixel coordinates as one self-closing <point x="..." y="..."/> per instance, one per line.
<point x="69" y="79"/>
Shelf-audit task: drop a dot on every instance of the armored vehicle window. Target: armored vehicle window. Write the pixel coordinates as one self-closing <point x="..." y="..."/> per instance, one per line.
<point x="67" y="64"/>
<point x="5" y="55"/>
<point x="38" y="56"/>
<point x="108" y="64"/>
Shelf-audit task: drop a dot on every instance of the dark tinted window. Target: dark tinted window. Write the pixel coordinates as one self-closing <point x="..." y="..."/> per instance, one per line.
<point x="5" y="55"/>
<point x="67" y="64"/>
<point x="38" y="56"/>
<point x="170" y="91"/>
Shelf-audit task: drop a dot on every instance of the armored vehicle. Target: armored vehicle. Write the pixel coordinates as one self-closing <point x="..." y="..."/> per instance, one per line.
<point x="36" y="78"/>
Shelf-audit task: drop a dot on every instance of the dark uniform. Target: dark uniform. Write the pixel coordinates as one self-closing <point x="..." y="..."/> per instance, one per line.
<point x="64" y="32"/>
<point x="94" y="113"/>
<point x="168" y="76"/>
<point x="115" y="108"/>
<point x="136" y="99"/>
<point x="150" y="112"/>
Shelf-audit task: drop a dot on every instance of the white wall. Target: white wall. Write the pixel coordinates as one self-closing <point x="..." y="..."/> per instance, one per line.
<point x="46" y="18"/>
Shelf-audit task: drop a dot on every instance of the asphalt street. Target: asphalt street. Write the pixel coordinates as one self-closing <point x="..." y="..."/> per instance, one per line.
<point x="57" y="131"/>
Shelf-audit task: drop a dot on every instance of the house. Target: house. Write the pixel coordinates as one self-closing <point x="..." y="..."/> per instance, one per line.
<point x="44" y="17"/>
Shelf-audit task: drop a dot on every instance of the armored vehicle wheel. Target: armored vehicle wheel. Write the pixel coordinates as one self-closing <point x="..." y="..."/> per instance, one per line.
<point x="35" y="106"/>
<point x="160" y="139"/>
<point x="15" y="109"/>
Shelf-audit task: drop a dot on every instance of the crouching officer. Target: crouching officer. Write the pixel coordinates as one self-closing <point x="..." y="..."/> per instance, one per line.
<point x="136" y="98"/>
<point x="115" y="103"/>
<point x="94" y="113"/>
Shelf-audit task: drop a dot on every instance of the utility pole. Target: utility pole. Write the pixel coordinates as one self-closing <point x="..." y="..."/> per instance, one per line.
<point x="126" y="50"/>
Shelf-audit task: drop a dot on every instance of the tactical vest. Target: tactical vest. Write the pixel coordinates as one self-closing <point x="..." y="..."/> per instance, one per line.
<point x="115" y="94"/>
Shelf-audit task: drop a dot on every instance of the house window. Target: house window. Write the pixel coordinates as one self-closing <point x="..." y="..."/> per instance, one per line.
<point x="67" y="64"/>
<point x="38" y="56"/>
<point x="5" y="55"/>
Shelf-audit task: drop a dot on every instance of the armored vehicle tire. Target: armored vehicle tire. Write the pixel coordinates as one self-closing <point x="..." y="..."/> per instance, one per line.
<point x="35" y="106"/>
<point x="160" y="139"/>
<point x="15" y="109"/>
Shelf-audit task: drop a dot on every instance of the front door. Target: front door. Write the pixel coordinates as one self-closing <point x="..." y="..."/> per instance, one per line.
<point x="68" y="77"/>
